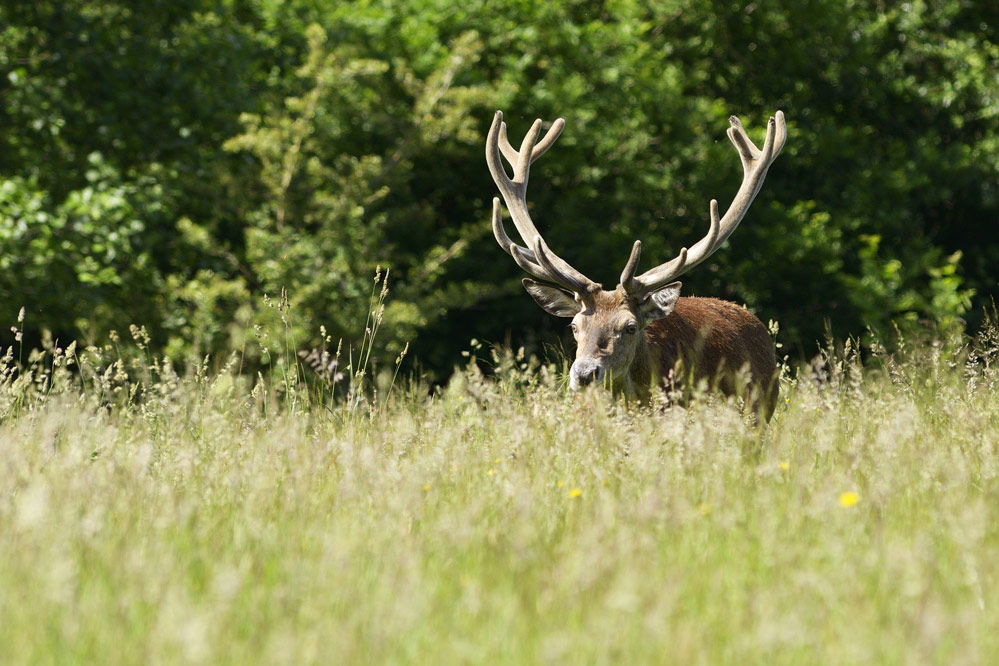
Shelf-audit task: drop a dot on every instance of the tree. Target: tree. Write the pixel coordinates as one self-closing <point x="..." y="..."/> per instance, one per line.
<point x="171" y="163"/>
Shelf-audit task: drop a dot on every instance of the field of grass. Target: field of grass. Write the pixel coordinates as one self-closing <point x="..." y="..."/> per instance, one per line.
<point x="148" y="518"/>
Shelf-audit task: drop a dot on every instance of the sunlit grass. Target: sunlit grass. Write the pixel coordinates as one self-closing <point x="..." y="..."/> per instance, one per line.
<point x="151" y="518"/>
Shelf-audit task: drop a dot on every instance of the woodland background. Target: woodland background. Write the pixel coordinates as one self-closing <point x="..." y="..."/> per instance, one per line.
<point x="179" y="164"/>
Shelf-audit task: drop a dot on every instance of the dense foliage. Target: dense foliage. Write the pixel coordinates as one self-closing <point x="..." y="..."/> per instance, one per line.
<point x="170" y="163"/>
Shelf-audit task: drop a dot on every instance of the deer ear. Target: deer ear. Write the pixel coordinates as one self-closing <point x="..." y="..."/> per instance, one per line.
<point x="553" y="300"/>
<point x="661" y="302"/>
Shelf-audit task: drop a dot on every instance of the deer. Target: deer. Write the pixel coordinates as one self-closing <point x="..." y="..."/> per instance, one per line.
<point x="642" y="334"/>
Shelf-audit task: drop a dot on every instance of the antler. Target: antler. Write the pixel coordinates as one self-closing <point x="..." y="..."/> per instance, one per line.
<point x="755" y="163"/>
<point x="537" y="259"/>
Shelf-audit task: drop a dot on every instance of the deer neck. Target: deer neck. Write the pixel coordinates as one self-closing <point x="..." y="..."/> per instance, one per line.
<point x="639" y="380"/>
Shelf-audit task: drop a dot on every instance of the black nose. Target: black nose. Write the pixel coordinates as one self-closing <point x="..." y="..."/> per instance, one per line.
<point x="587" y="373"/>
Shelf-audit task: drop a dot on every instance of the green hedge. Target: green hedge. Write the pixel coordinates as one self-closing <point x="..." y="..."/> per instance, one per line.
<point x="171" y="163"/>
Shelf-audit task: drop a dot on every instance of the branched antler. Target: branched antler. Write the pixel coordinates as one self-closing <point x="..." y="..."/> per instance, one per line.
<point x="755" y="163"/>
<point x="534" y="256"/>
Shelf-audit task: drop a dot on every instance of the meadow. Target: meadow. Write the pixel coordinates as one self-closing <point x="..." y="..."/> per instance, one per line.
<point x="212" y="517"/>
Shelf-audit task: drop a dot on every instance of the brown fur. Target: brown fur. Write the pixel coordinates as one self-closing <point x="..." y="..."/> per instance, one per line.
<point x="706" y="339"/>
<point x="701" y="340"/>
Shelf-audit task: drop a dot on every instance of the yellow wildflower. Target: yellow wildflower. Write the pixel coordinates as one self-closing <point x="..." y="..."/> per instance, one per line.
<point x="575" y="492"/>
<point x="426" y="487"/>
<point x="848" y="499"/>
<point x="785" y="466"/>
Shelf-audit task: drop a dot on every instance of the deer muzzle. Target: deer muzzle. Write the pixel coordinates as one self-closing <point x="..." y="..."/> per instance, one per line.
<point x="585" y="371"/>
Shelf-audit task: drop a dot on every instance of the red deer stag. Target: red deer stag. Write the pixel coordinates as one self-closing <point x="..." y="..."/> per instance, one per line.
<point x="643" y="332"/>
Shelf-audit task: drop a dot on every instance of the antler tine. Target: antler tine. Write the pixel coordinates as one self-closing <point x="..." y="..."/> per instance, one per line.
<point x="631" y="286"/>
<point x="508" y="245"/>
<point x="628" y="274"/>
<point x="540" y="148"/>
<point x="537" y="264"/>
<point x="522" y="167"/>
<point x="540" y="262"/>
<point x="509" y="152"/>
<point x="525" y="258"/>
<point x="530" y="146"/>
<point x="755" y="164"/>
<point x="555" y="265"/>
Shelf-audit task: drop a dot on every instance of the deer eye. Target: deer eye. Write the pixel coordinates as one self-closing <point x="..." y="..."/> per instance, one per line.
<point x="631" y="329"/>
<point x="575" y="329"/>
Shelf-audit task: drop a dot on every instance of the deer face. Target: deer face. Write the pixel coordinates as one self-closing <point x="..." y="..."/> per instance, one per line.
<point x="607" y="326"/>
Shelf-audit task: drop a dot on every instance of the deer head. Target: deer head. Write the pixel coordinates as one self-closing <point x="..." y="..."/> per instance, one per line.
<point x="608" y="324"/>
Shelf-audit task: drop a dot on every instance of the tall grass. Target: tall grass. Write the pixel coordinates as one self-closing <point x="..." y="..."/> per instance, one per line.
<point x="151" y="517"/>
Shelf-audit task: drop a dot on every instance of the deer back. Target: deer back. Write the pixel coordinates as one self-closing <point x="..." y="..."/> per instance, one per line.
<point x="713" y="339"/>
